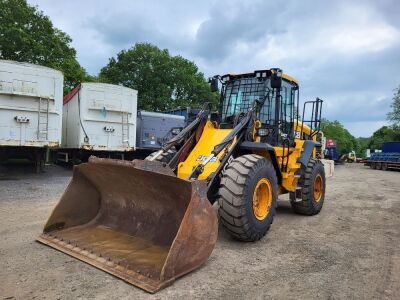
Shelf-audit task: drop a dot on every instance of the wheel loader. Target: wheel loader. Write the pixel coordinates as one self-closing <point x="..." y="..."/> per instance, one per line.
<point x="151" y="221"/>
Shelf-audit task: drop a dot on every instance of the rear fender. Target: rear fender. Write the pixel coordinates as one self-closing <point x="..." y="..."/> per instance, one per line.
<point x="308" y="147"/>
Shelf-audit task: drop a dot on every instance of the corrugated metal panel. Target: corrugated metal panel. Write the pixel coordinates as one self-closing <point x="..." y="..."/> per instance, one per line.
<point x="154" y="129"/>
<point x="101" y="116"/>
<point x="30" y="105"/>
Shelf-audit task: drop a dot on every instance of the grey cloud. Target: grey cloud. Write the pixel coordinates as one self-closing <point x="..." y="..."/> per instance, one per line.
<point x="125" y="29"/>
<point x="356" y="89"/>
<point x="232" y="23"/>
<point x="223" y="36"/>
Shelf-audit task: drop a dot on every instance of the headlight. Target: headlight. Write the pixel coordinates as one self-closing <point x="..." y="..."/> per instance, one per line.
<point x="262" y="131"/>
<point x="175" y="131"/>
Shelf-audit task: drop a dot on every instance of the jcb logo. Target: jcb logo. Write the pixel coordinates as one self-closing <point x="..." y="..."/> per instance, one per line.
<point x="203" y="158"/>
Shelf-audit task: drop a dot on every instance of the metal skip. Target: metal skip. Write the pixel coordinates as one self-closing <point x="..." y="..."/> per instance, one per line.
<point x="135" y="220"/>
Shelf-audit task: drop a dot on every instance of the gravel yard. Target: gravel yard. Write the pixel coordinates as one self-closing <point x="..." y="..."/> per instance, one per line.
<point x="350" y="250"/>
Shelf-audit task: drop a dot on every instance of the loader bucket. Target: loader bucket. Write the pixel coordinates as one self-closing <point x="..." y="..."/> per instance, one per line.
<point x="135" y="220"/>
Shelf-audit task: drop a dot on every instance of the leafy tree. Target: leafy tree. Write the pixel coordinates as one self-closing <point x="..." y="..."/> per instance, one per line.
<point x="394" y="115"/>
<point x="363" y="145"/>
<point x="382" y="135"/>
<point x="27" y="35"/>
<point x="163" y="81"/>
<point x="345" y="142"/>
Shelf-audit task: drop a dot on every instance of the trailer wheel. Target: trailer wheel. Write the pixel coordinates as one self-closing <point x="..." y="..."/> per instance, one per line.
<point x="163" y="157"/>
<point x="379" y="166"/>
<point x="312" y="191"/>
<point x="247" y="197"/>
<point x="373" y="165"/>
<point x="384" y="166"/>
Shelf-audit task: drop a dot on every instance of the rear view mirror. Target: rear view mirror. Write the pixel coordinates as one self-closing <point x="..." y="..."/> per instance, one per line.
<point x="276" y="78"/>
<point x="213" y="84"/>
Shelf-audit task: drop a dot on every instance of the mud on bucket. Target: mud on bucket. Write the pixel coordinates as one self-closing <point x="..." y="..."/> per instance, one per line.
<point x="135" y="220"/>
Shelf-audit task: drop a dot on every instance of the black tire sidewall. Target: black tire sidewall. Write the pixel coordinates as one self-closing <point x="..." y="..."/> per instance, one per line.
<point x="317" y="169"/>
<point x="263" y="170"/>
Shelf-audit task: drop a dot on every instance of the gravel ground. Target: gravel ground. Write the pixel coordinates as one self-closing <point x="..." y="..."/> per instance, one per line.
<point x="350" y="250"/>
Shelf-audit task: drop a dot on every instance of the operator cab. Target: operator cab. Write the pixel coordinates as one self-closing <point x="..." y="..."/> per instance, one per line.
<point x="277" y="91"/>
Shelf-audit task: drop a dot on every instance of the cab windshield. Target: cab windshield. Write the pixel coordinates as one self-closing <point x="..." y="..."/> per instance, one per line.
<point x="240" y="94"/>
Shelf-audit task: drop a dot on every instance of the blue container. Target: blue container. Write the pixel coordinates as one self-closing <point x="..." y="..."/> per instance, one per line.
<point x="331" y="153"/>
<point x="382" y="156"/>
<point x="390" y="147"/>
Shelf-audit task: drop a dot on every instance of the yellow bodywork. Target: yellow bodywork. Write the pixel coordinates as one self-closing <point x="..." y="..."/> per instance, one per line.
<point x="212" y="136"/>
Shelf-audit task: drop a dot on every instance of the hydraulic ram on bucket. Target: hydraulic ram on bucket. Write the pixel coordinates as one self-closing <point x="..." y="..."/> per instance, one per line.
<point x="135" y="220"/>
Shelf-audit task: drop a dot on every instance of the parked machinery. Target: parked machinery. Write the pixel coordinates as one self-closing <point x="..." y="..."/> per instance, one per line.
<point x="348" y="157"/>
<point x="30" y="111"/>
<point x="151" y="221"/>
<point x="189" y="113"/>
<point x="389" y="158"/>
<point x="154" y="129"/>
<point x="331" y="150"/>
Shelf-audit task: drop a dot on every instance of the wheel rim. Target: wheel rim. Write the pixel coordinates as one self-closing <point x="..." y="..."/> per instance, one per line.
<point x="318" y="186"/>
<point x="262" y="199"/>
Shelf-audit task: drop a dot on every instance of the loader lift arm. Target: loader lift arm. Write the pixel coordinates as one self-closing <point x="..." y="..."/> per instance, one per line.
<point x="244" y="123"/>
<point x="185" y="137"/>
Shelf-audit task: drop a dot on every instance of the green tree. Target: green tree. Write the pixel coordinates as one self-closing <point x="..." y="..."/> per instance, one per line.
<point x="27" y="35"/>
<point x="363" y="145"/>
<point x="163" y="81"/>
<point x="345" y="142"/>
<point x="394" y="115"/>
<point x="382" y="135"/>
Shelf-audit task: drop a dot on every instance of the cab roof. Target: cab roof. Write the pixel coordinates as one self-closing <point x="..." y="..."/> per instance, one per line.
<point x="253" y="74"/>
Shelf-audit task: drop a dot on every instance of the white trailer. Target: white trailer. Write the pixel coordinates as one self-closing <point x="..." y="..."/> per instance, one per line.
<point x="31" y="99"/>
<point x="98" y="117"/>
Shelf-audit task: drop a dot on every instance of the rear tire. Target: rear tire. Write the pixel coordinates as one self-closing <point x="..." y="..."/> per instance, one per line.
<point x="312" y="193"/>
<point x="163" y="157"/>
<point x="247" y="197"/>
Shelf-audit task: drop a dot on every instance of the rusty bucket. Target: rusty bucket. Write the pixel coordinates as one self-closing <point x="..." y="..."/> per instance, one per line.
<point x="135" y="220"/>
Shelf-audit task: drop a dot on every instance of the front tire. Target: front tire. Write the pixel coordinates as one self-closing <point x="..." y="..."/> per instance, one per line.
<point x="247" y="197"/>
<point x="312" y="191"/>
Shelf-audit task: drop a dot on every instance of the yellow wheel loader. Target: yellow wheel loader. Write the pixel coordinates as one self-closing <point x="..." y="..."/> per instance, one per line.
<point x="151" y="221"/>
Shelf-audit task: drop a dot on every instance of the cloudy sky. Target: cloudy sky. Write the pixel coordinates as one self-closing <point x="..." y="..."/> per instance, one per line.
<point x="345" y="52"/>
